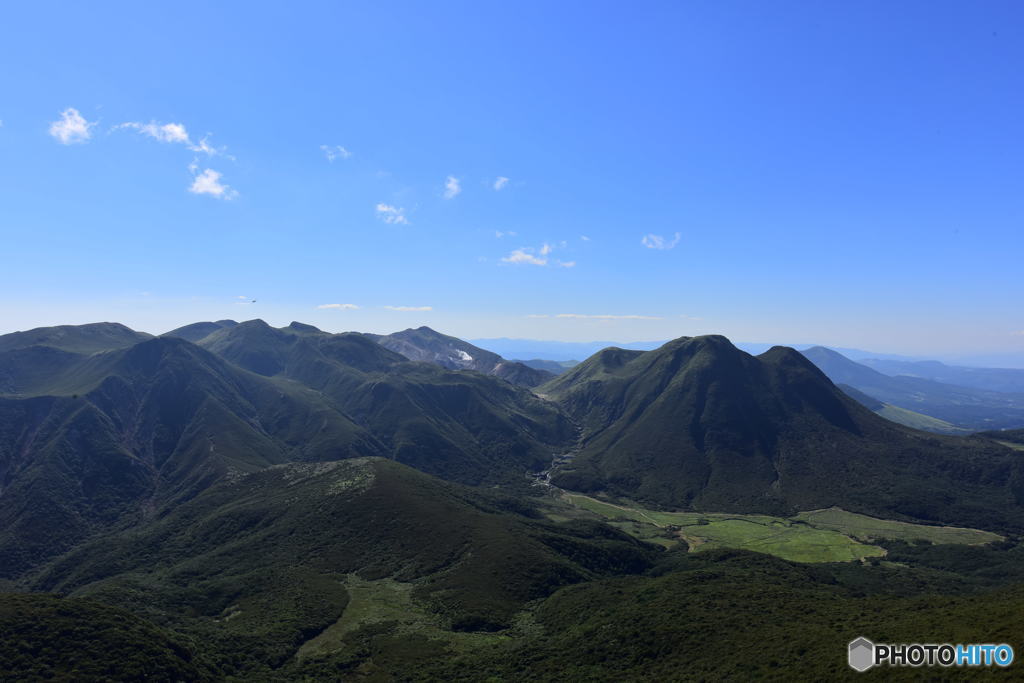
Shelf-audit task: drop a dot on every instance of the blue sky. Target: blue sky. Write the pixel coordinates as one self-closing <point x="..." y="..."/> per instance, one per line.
<point x="831" y="172"/>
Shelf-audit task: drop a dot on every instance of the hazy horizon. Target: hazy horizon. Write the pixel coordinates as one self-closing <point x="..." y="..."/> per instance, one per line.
<point x="1009" y="360"/>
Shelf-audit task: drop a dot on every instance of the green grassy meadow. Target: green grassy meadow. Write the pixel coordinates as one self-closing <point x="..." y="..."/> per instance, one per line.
<point x="386" y="602"/>
<point x="919" y="420"/>
<point x="831" y="535"/>
<point x="865" y="528"/>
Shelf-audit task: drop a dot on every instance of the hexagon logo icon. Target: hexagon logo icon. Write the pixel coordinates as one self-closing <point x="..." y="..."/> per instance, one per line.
<point x="861" y="655"/>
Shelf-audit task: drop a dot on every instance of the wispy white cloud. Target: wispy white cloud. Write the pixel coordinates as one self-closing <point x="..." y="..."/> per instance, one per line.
<point x="409" y="308"/>
<point x="208" y="182"/>
<point x="342" y="307"/>
<point x="452" y="187"/>
<point x="538" y="315"/>
<point x="241" y="296"/>
<point x="1018" y="333"/>
<point x="205" y="147"/>
<point x="333" y="152"/>
<point x="652" y="241"/>
<point x="584" y="238"/>
<point x="536" y="257"/>
<point x="508" y="233"/>
<point x="162" y="132"/>
<point x="71" y="128"/>
<point x="608" y="317"/>
<point x="526" y="256"/>
<point x="500" y="183"/>
<point x="174" y="133"/>
<point x="394" y="215"/>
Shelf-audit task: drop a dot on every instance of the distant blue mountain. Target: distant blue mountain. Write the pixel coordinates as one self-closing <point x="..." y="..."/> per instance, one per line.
<point x="1009" y="380"/>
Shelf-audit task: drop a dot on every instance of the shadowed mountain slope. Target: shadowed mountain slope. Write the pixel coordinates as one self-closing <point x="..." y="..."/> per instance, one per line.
<point x="135" y="429"/>
<point x="424" y="344"/>
<point x="92" y="441"/>
<point x="463" y="426"/>
<point x="700" y="424"/>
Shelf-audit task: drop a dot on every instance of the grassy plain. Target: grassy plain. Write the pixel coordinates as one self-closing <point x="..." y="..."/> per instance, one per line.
<point x="864" y="528"/>
<point x="831" y="535"/>
<point x="388" y="602"/>
<point x="919" y="420"/>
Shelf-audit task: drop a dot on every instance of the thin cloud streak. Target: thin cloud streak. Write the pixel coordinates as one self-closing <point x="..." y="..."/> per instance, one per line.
<point x="652" y="241"/>
<point x="535" y="257"/>
<point x="525" y="256"/>
<point x="333" y="152"/>
<point x="174" y="133"/>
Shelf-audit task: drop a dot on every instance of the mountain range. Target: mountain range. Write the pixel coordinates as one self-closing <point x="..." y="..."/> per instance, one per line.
<point x="90" y="440"/>
<point x="700" y="424"/>
<point x="286" y="504"/>
<point x="965" y="408"/>
<point x="1005" y="380"/>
